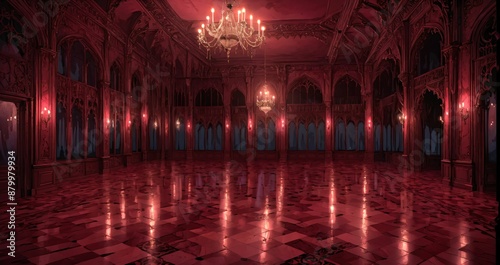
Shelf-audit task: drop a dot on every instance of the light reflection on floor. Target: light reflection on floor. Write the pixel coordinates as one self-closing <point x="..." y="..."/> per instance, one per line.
<point x="262" y="212"/>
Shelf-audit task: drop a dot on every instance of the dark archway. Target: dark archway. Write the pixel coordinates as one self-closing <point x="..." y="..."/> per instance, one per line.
<point x="432" y="129"/>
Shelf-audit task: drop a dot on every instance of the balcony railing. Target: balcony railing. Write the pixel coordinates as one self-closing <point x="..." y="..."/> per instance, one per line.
<point x="306" y="108"/>
<point x="430" y="77"/>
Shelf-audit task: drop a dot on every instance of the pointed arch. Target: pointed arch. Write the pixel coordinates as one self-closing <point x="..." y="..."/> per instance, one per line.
<point x="426" y="51"/>
<point x="304" y="91"/>
<point x="347" y="91"/>
<point x="237" y="98"/>
<point x="387" y="81"/>
<point x="301" y="79"/>
<point x="89" y="45"/>
<point x="483" y="35"/>
<point x="210" y="97"/>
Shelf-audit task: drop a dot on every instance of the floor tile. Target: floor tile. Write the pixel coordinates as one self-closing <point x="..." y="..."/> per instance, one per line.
<point x="200" y="212"/>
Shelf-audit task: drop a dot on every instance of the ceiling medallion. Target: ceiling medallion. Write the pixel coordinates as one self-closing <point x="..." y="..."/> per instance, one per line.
<point x="231" y="31"/>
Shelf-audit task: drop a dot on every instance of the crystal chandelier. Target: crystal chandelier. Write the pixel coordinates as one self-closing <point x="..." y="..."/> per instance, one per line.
<point x="264" y="99"/>
<point x="230" y="31"/>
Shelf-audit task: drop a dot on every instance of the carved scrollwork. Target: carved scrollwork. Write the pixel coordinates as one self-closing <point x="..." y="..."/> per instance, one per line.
<point x="486" y="84"/>
<point x="286" y="31"/>
<point x="488" y="38"/>
<point x="16" y="54"/>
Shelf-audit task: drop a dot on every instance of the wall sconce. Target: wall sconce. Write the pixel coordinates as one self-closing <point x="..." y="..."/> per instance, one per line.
<point x="129" y="123"/>
<point x="328" y="124"/>
<point x="189" y="125"/>
<point x="45" y="115"/>
<point x="227" y="125"/>
<point x="110" y="123"/>
<point x="441" y="119"/>
<point x="369" y="123"/>
<point x="283" y="123"/>
<point x="464" y="112"/>
<point x="144" y="115"/>
<point x="402" y="118"/>
<point x="155" y="124"/>
<point x="177" y="124"/>
<point x="250" y="125"/>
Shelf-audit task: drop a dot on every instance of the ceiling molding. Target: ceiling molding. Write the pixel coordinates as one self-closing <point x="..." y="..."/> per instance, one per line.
<point x="278" y="31"/>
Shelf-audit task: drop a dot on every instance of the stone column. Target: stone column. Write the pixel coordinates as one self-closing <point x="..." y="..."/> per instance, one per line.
<point x="170" y="119"/>
<point x="162" y="119"/>
<point x="369" y="135"/>
<point x="408" y="123"/>
<point x="227" y="86"/>
<point x="144" y="116"/>
<point x="44" y="141"/>
<point x="46" y="98"/>
<point x="227" y="129"/>
<point x="368" y="100"/>
<point x="104" y="147"/>
<point x="406" y="78"/>
<point x="127" y="79"/>
<point x="189" y="121"/>
<point x="281" y="98"/>
<point x="250" y="108"/>
<point x="327" y="98"/>
<point x="452" y="121"/>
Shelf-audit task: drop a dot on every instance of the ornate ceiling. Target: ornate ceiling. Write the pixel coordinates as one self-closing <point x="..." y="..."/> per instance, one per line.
<point x="299" y="31"/>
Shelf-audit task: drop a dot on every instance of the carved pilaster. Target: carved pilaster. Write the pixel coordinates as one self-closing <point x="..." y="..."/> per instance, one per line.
<point x="227" y="131"/>
<point x="329" y="127"/>
<point x="189" y="121"/>
<point x="249" y="74"/>
<point x="408" y="105"/>
<point x="45" y="73"/>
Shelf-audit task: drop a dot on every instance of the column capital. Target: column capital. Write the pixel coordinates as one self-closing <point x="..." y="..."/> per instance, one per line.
<point x="451" y="50"/>
<point x="48" y="52"/>
<point x="405" y="77"/>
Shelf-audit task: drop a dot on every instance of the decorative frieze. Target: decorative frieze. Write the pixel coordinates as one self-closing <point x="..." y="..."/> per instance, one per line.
<point x="279" y="30"/>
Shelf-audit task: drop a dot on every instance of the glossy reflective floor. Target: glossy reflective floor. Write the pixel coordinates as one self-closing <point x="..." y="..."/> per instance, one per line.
<point x="259" y="213"/>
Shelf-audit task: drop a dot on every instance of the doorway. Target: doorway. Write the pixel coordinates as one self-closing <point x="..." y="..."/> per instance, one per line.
<point x="9" y="155"/>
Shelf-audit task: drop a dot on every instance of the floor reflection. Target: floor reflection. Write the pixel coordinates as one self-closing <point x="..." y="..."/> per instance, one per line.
<point x="261" y="212"/>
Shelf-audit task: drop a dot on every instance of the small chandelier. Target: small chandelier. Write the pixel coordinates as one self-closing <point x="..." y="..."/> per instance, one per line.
<point x="230" y="31"/>
<point x="264" y="100"/>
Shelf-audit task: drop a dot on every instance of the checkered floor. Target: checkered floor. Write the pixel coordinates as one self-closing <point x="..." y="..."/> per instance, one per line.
<point x="257" y="213"/>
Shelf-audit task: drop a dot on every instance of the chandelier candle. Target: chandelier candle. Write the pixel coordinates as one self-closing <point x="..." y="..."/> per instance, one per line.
<point x="230" y="32"/>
